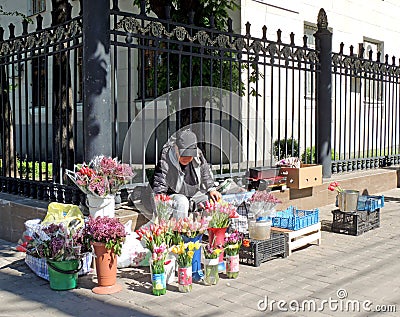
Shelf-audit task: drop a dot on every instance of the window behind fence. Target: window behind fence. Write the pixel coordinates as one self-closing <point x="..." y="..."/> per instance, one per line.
<point x="36" y="6"/>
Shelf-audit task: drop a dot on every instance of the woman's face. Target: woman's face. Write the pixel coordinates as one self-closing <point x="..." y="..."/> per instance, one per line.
<point x="185" y="160"/>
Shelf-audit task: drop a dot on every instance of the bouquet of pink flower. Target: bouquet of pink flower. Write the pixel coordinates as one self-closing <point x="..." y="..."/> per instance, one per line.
<point x="190" y="226"/>
<point x="102" y="176"/>
<point x="219" y="213"/>
<point x="106" y="230"/>
<point x="156" y="238"/>
<point x="233" y="241"/>
<point x="263" y="202"/>
<point x="164" y="206"/>
<point x="211" y="252"/>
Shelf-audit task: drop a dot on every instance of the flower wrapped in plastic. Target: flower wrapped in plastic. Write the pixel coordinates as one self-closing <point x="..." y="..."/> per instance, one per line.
<point x="262" y="204"/>
<point x="219" y="213"/>
<point x="102" y="176"/>
<point x="190" y="226"/>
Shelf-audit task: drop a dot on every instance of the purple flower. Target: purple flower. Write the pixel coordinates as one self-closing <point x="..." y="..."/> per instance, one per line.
<point x="106" y="230"/>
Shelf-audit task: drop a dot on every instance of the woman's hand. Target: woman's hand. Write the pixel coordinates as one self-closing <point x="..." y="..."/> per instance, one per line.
<point x="215" y="195"/>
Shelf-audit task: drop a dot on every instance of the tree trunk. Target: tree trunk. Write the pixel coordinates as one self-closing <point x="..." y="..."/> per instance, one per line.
<point x="6" y="126"/>
<point x="63" y="119"/>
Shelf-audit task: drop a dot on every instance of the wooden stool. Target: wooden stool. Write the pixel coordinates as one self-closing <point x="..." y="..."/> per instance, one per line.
<point x="299" y="238"/>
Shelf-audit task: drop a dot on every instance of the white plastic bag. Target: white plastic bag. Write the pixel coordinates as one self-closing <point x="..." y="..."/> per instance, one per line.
<point x="133" y="253"/>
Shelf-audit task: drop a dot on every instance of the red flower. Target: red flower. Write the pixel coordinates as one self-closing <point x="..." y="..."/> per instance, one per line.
<point x="335" y="186"/>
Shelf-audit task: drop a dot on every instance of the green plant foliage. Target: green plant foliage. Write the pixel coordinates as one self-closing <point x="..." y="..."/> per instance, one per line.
<point x="286" y="148"/>
<point x="29" y="168"/>
<point x="308" y="156"/>
<point x="172" y="71"/>
<point x="15" y="13"/>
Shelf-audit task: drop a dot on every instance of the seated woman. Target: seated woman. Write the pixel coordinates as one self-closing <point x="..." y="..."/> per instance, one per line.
<point x="183" y="173"/>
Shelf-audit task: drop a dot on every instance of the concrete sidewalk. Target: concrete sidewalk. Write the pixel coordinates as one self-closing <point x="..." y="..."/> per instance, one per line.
<point x="344" y="276"/>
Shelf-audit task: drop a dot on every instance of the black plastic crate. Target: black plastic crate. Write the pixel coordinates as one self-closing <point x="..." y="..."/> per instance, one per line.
<point x="355" y="223"/>
<point x="262" y="250"/>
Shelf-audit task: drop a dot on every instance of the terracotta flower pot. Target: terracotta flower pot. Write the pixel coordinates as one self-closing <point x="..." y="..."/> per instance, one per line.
<point x="106" y="270"/>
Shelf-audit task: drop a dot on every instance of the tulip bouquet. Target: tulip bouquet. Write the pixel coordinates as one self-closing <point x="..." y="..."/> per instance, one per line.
<point x="263" y="203"/>
<point x="156" y="238"/>
<point x="233" y="241"/>
<point x="164" y="206"/>
<point x="211" y="252"/>
<point x="185" y="252"/>
<point x="190" y="226"/>
<point x="335" y="186"/>
<point x="219" y="213"/>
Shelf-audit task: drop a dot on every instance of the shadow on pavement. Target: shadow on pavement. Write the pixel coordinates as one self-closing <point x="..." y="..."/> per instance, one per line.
<point x="22" y="293"/>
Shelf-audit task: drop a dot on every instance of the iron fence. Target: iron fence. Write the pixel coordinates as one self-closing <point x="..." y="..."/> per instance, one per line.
<point x="252" y="100"/>
<point x="272" y="111"/>
<point x="365" y="111"/>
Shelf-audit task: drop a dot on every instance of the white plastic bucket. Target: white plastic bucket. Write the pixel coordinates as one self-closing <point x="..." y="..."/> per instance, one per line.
<point x="101" y="206"/>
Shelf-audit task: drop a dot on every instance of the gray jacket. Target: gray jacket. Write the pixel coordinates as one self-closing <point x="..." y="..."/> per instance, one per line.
<point x="169" y="178"/>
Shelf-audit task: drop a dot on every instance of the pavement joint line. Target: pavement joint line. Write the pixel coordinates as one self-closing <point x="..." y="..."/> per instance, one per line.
<point x="365" y="266"/>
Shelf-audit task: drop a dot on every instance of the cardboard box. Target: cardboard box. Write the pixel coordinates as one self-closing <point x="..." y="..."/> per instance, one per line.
<point x="308" y="175"/>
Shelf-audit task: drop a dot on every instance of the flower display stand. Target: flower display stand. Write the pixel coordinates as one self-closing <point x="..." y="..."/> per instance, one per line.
<point x="295" y="239"/>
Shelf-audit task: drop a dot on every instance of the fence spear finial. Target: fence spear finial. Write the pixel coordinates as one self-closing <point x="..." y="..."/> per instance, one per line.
<point x="39" y="22"/>
<point x="360" y="50"/>
<point x="279" y="35"/>
<point x="291" y="38"/>
<point x="11" y="28"/>
<point x="248" y="25"/>
<point x="322" y="20"/>
<point x="305" y="38"/>
<point x="230" y="28"/>
<point x="264" y="30"/>
<point x="24" y="27"/>
<point x="212" y="21"/>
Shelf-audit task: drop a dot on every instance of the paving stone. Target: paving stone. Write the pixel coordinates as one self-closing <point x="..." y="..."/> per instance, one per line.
<point x="366" y="267"/>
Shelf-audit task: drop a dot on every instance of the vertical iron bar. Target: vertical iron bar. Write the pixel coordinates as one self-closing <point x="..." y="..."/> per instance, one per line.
<point x="256" y="59"/>
<point x="115" y="145"/>
<point x="220" y="111"/>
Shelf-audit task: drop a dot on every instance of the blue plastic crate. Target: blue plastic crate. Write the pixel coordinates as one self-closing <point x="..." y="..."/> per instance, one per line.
<point x="294" y="219"/>
<point x="370" y="203"/>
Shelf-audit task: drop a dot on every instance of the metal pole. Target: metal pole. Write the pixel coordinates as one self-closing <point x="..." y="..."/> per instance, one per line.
<point x="96" y="79"/>
<point x="323" y="95"/>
